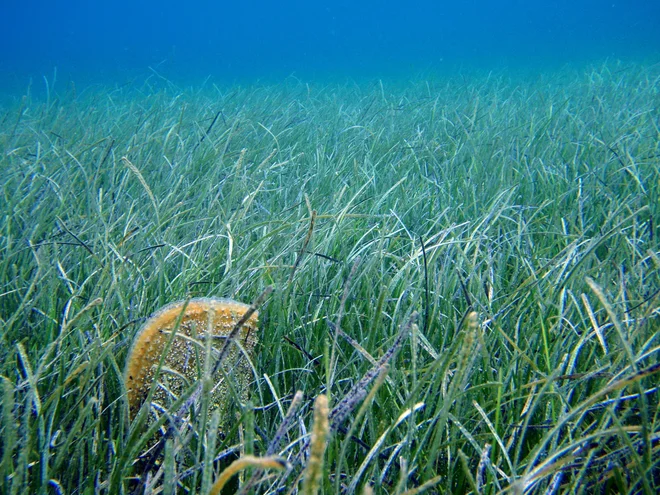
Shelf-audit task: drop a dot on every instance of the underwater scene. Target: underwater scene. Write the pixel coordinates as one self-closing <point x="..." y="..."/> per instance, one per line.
<point x="366" y="247"/>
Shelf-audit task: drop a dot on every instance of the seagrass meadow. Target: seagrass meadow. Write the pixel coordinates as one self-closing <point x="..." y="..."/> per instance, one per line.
<point x="462" y="272"/>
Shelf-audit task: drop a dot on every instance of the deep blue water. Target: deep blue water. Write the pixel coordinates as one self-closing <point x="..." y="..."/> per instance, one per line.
<point x="268" y="40"/>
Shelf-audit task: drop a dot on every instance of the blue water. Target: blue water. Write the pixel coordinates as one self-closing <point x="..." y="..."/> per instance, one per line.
<point x="270" y="40"/>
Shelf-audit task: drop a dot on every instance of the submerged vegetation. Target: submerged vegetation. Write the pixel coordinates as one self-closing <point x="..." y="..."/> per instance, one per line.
<point x="465" y="275"/>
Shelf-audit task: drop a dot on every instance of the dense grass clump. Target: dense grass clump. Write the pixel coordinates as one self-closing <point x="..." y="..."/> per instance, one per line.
<point x="468" y="269"/>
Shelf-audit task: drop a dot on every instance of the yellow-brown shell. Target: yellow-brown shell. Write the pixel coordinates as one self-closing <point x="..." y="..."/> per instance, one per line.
<point x="184" y="363"/>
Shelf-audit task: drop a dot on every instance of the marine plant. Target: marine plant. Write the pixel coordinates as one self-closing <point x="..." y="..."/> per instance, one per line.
<point x="517" y="215"/>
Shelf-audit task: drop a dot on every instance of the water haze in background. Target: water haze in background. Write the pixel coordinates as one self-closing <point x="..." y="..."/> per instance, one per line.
<point x="259" y="40"/>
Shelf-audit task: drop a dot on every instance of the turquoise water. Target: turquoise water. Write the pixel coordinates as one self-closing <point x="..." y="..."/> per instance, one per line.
<point x="101" y="42"/>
